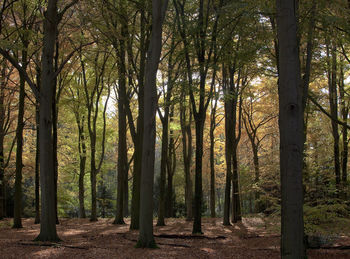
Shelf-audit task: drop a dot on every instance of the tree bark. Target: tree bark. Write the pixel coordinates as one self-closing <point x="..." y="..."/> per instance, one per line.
<point x="82" y="163"/>
<point x="146" y="238"/>
<point x="37" y="160"/>
<point x="122" y="148"/>
<point x="291" y="132"/>
<point x="212" y="154"/>
<point x="333" y="105"/>
<point x="228" y="148"/>
<point x="187" y="157"/>
<point x="2" y="136"/>
<point x="138" y="138"/>
<point x="163" y="163"/>
<point x="17" y="222"/>
<point x="48" y="217"/>
<point x="344" y="112"/>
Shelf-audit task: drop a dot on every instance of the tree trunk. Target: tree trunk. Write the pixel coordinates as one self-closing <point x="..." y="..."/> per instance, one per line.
<point x="212" y="159"/>
<point x="187" y="154"/>
<point x="93" y="175"/>
<point x="136" y="184"/>
<point x="37" y="162"/>
<point x="17" y="222"/>
<point x="146" y="238"/>
<point x="257" y="175"/>
<point x="291" y="132"/>
<point x="197" y="223"/>
<point x="48" y="217"/>
<point x="228" y="148"/>
<point x="54" y="128"/>
<point x="163" y="163"/>
<point x="236" y="201"/>
<point x="82" y="165"/>
<point x="333" y="104"/>
<point x="344" y="113"/>
<point x="122" y="148"/>
<point x="2" y="136"/>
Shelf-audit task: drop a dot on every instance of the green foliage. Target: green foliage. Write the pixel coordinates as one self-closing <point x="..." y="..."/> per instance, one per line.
<point x="318" y="219"/>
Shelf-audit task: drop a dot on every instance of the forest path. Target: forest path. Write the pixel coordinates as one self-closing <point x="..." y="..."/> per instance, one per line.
<point x="253" y="238"/>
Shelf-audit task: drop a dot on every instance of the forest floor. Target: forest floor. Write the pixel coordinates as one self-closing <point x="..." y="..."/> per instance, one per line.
<point x="253" y="238"/>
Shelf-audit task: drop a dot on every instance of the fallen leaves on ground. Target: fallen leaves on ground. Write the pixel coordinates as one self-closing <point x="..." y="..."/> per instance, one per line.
<point x="251" y="238"/>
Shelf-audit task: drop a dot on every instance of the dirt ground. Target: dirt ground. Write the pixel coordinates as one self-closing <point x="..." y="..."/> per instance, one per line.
<point x="252" y="238"/>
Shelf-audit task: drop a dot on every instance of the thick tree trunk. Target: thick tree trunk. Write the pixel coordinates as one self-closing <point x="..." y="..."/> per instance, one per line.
<point x="146" y="238"/>
<point x="48" y="217"/>
<point x="291" y="132"/>
<point x="17" y="222"/>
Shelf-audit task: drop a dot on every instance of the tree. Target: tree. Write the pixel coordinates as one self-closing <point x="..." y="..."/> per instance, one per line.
<point x="48" y="215"/>
<point x="92" y="101"/>
<point x="6" y="96"/>
<point x="291" y="131"/>
<point x="146" y="238"/>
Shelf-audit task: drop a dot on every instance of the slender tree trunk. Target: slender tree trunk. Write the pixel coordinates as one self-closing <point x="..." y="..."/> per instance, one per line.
<point x="236" y="201"/>
<point x="291" y="132"/>
<point x="212" y="159"/>
<point x="187" y="154"/>
<point x="257" y="175"/>
<point x="122" y="148"/>
<point x="228" y="148"/>
<point x="146" y="238"/>
<point x="93" y="175"/>
<point x="136" y="184"/>
<point x="171" y="164"/>
<point x="333" y="104"/>
<point x="2" y="136"/>
<point x="126" y="194"/>
<point x="197" y="223"/>
<point x="17" y="222"/>
<point x="163" y="163"/>
<point x="37" y="163"/>
<point x="48" y="217"/>
<point x="54" y="128"/>
<point x="344" y="113"/>
<point x="2" y="173"/>
<point x="82" y="165"/>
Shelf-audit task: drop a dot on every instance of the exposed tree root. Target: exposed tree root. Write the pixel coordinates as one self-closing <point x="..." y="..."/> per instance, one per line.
<point x="55" y="245"/>
<point x="331" y="247"/>
<point x="189" y="237"/>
